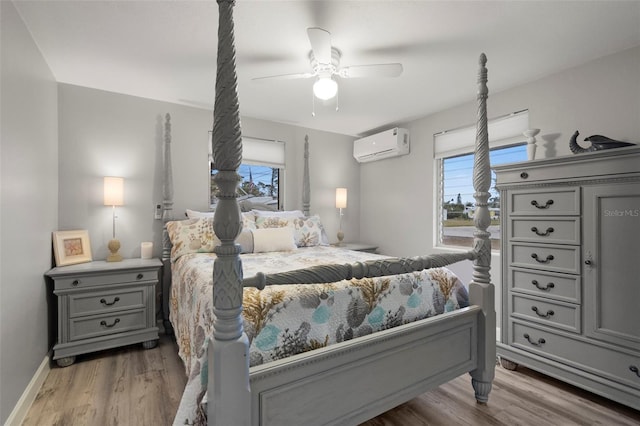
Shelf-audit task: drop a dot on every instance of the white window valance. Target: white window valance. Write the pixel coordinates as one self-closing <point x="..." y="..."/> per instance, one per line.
<point x="259" y="152"/>
<point x="503" y="131"/>
<point x="262" y="152"/>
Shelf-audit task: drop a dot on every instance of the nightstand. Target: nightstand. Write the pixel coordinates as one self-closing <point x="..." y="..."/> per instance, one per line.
<point x="103" y="305"/>
<point x="369" y="248"/>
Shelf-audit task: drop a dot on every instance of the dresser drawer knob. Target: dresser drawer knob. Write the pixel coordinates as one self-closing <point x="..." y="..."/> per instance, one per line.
<point x="537" y="259"/>
<point x="542" y="234"/>
<point x="139" y="276"/>
<point x="75" y="283"/>
<point x="540" y="341"/>
<point x="539" y="287"/>
<point x="104" y="323"/>
<point x="634" y="369"/>
<point x="104" y="302"/>
<point x="547" y="315"/>
<point x="538" y="206"/>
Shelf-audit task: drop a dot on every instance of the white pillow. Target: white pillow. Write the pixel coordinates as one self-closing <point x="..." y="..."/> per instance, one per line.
<point x="273" y="239"/>
<point x="194" y="214"/>
<point x="281" y="214"/>
<point x="245" y="239"/>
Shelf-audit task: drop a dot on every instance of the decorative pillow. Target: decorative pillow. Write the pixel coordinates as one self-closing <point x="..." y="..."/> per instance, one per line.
<point x="191" y="236"/>
<point x="309" y="232"/>
<point x="263" y="222"/>
<point x="248" y="220"/>
<point x="273" y="239"/>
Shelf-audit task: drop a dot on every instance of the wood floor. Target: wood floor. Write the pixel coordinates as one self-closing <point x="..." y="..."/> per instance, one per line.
<point x="133" y="386"/>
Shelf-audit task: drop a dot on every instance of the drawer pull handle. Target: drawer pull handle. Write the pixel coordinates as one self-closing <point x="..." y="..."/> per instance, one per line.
<point x="540" y="341"/>
<point x="139" y="276"/>
<point x="104" y="323"/>
<point x="104" y="302"/>
<point x="75" y="282"/>
<point x="542" y="234"/>
<point x="547" y="260"/>
<point x="524" y="175"/>
<point x="634" y="369"/>
<point x="547" y="315"/>
<point x="539" y="287"/>
<point x="538" y="206"/>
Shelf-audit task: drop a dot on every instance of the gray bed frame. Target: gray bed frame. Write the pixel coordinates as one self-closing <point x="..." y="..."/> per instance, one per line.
<point x="349" y="382"/>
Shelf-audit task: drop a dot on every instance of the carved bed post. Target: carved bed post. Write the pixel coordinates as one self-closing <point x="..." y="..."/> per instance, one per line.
<point x="306" y="187"/>
<point x="481" y="290"/>
<point x="229" y="398"/>
<point x="167" y="215"/>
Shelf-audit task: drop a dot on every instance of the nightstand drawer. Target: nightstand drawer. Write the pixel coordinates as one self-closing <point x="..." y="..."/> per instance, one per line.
<point x="553" y="286"/>
<point x="546" y="257"/>
<point x="603" y="361"/>
<point x="82" y="304"/>
<point x="557" y="230"/>
<point x="548" y="202"/>
<point x="86" y="281"/>
<point x="561" y="315"/>
<point x="87" y="327"/>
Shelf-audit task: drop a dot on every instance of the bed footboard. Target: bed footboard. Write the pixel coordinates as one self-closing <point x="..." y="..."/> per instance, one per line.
<point x="350" y="382"/>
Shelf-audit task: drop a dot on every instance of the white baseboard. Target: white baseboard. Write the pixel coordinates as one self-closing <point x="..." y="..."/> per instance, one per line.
<point x="21" y="409"/>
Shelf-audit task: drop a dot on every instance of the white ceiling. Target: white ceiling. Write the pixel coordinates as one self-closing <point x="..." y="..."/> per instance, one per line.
<point x="166" y="50"/>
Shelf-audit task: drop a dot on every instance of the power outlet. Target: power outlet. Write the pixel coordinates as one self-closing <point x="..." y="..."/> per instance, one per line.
<point x="158" y="212"/>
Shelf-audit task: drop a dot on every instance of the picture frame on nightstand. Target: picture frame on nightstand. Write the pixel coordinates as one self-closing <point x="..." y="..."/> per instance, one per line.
<point x="71" y="247"/>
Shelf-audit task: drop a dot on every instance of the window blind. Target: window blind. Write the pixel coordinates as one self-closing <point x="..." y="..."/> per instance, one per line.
<point x="503" y="131"/>
<point x="259" y="152"/>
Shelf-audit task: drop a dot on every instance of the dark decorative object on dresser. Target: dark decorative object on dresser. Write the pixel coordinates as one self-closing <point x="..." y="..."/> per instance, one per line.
<point x="598" y="142"/>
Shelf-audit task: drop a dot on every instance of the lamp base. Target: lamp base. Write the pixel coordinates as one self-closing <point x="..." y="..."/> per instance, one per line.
<point x="114" y="246"/>
<point x="340" y="237"/>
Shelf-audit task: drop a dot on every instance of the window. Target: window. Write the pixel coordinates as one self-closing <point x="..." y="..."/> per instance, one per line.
<point x="454" y="179"/>
<point x="261" y="172"/>
<point x="260" y="184"/>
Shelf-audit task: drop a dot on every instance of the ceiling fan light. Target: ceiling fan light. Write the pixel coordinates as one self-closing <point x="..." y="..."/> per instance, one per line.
<point x="325" y="88"/>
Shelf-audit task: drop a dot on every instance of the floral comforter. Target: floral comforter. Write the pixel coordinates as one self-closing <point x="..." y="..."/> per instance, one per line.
<point x="281" y="321"/>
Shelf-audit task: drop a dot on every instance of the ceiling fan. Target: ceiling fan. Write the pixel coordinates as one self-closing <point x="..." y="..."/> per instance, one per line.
<point x="325" y="65"/>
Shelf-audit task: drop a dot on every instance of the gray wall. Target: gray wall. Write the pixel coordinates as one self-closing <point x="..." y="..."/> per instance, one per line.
<point x="103" y="133"/>
<point x="29" y="201"/>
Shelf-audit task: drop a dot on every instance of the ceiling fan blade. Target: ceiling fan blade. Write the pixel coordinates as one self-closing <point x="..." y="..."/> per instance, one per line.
<point x="375" y="70"/>
<point x="285" y="76"/>
<point x="320" y="41"/>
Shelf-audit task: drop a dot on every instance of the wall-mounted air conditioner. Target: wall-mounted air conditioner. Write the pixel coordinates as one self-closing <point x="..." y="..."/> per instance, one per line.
<point x="390" y="143"/>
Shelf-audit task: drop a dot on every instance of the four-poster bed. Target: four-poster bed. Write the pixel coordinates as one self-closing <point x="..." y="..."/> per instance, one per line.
<point x="354" y="379"/>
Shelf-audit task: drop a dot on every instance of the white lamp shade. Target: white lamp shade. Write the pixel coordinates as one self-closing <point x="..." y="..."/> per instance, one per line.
<point x="113" y="191"/>
<point x="341" y="198"/>
<point x="325" y="88"/>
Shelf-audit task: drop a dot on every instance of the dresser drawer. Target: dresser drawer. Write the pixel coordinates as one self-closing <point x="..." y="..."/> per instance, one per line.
<point x="82" y="304"/>
<point x="586" y="355"/>
<point x="85" y="281"/>
<point x="553" y="286"/>
<point x="558" y="230"/>
<point x="548" y="202"/>
<point x="545" y="257"/>
<point x="555" y="314"/>
<point x="101" y="325"/>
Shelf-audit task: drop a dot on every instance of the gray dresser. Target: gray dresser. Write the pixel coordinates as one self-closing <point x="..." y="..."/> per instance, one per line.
<point x="103" y="305"/>
<point x="571" y="270"/>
